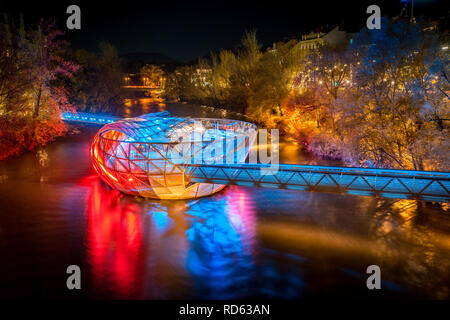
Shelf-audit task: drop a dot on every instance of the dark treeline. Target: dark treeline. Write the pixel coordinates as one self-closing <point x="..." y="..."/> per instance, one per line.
<point x="97" y="86"/>
<point x="380" y="101"/>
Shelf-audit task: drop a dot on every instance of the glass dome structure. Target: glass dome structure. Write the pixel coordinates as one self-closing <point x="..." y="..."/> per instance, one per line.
<point x="147" y="155"/>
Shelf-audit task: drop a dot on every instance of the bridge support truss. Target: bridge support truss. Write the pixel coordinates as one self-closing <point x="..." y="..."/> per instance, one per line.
<point x="404" y="184"/>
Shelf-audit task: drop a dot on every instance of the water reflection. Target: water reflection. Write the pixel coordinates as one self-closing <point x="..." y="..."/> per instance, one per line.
<point x="204" y="248"/>
<point x="42" y="156"/>
<point x="409" y="248"/>
<point x="140" y="249"/>
<point x="114" y="240"/>
<point x="217" y="248"/>
<point x="221" y="245"/>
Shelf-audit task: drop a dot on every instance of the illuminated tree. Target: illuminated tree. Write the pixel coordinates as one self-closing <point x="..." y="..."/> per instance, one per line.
<point x="274" y="78"/>
<point x="32" y="88"/>
<point x="152" y="75"/>
<point x="243" y="79"/>
<point x="328" y="72"/>
<point x="396" y="95"/>
<point x="47" y="64"/>
<point x="15" y="78"/>
<point x="184" y="84"/>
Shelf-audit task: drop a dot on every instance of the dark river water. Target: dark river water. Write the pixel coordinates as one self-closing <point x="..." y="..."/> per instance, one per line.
<point x="242" y="242"/>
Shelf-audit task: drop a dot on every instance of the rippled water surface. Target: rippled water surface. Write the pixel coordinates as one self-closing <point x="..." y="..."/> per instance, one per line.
<point x="242" y="242"/>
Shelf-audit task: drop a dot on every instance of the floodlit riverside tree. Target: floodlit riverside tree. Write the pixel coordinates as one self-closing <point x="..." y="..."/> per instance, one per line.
<point x="394" y="75"/>
<point x="244" y="77"/>
<point x="274" y="78"/>
<point x="329" y="71"/>
<point x="15" y="78"/>
<point x="47" y="65"/>
<point x="152" y="75"/>
<point x="32" y="91"/>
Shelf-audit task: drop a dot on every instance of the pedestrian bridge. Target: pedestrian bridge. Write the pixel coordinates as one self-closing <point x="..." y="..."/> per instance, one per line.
<point x="403" y="184"/>
<point x="89" y="117"/>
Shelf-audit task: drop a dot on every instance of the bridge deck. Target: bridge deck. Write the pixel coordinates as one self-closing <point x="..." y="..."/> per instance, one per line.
<point x="89" y="117"/>
<point x="404" y="184"/>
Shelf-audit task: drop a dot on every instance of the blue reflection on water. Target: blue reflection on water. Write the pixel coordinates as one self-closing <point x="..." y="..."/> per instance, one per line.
<point x="161" y="221"/>
<point x="222" y="252"/>
<point x="219" y="248"/>
<point x="219" y="257"/>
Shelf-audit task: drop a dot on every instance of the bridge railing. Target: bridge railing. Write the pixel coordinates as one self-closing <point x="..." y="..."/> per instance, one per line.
<point x="89" y="117"/>
<point x="407" y="184"/>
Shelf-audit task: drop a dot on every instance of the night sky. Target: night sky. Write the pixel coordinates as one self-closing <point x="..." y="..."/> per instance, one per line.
<point x="186" y="30"/>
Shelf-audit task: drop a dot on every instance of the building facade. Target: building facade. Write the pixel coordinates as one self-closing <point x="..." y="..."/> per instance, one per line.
<point x="334" y="37"/>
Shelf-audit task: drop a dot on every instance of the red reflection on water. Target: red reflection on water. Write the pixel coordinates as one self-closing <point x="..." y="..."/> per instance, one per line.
<point x="114" y="241"/>
<point x="241" y="212"/>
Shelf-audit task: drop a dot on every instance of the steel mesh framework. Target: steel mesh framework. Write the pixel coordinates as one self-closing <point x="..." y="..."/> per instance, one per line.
<point x="147" y="155"/>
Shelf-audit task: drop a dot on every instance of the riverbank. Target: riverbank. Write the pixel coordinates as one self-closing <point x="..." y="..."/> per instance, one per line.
<point x="18" y="135"/>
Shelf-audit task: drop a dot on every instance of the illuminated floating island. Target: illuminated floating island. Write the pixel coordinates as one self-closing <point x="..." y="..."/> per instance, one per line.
<point x="146" y="156"/>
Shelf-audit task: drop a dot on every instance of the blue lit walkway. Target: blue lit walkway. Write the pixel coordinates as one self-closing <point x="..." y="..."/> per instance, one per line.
<point x="89" y="117"/>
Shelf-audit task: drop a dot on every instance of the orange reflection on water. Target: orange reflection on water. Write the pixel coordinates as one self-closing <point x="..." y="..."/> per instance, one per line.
<point x="114" y="240"/>
<point x="128" y="102"/>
